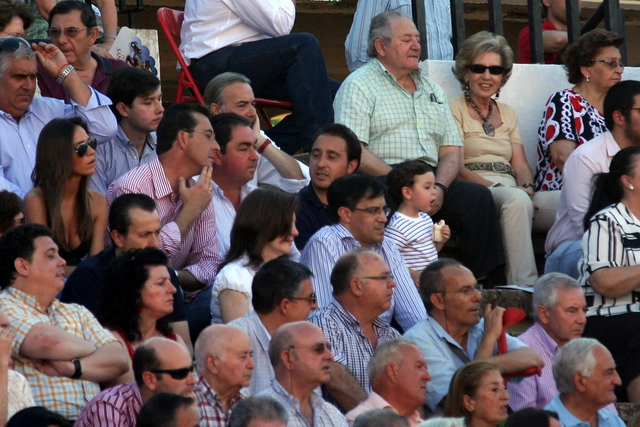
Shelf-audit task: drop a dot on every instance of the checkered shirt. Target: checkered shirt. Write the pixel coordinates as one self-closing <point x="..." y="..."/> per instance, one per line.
<point x="210" y="405"/>
<point x="60" y="394"/>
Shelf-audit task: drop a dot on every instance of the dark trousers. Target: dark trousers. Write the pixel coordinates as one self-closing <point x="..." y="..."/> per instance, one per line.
<point x="287" y="68"/>
<point x="469" y="210"/>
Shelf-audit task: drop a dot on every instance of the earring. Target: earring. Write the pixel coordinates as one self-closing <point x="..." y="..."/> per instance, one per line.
<point x="497" y="94"/>
<point x="466" y="90"/>
<point x="587" y="78"/>
<point x="631" y="187"/>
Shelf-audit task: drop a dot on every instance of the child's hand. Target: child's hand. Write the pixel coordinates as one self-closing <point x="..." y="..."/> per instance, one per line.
<point x="445" y="232"/>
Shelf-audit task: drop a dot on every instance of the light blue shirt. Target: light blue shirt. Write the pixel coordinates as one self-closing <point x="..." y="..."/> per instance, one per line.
<point x="439" y="33"/>
<point x="567" y="419"/>
<point x="118" y="156"/>
<point x="18" y="139"/>
<point x="432" y="340"/>
<point x="330" y="242"/>
<point x="263" y="373"/>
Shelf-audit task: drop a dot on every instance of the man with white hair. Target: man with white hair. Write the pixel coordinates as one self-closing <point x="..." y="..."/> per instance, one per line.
<point x="224" y="366"/>
<point x="559" y="308"/>
<point x="398" y="376"/>
<point x="586" y="377"/>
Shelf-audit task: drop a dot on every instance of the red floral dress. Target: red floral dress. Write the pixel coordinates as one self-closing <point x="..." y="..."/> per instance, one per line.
<point x="567" y="116"/>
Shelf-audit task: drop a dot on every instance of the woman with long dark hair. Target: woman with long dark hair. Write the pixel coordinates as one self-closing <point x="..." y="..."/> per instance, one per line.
<point x="61" y="198"/>
<point x="263" y="230"/>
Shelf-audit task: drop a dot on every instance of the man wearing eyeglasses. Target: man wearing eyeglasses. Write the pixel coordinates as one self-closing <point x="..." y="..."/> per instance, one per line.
<point x="224" y="367"/>
<point x="362" y="287"/>
<point x="22" y="116"/>
<point x="301" y="358"/>
<point x="400" y="114"/>
<point x="73" y="29"/>
<point x="454" y="334"/>
<point x="281" y="293"/>
<point x="160" y="365"/>
<point x="359" y="212"/>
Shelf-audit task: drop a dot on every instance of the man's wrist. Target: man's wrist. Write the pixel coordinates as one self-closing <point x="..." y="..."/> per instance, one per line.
<point x="77" y="374"/>
<point x="442" y="186"/>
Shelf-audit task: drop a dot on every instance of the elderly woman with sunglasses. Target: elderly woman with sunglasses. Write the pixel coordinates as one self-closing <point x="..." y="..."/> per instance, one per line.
<point x="61" y="198"/>
<point x="493" y="151"/>
<point x="574" y="116"/>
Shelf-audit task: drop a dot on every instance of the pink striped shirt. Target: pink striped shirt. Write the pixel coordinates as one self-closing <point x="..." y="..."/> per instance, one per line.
<point x="198" y="251"/>
<point x="115" y="407"/>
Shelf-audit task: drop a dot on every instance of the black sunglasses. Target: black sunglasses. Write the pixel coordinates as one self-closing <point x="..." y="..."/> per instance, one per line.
<point x="176" y="374"/>
<point x="11" y="44"/>
<point x="480" y="69"/>
<point x="83" y="147"/>
<point x="318" y="348"/>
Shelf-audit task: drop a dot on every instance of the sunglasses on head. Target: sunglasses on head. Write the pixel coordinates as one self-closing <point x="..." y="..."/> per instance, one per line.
<point x="11" y="44"/>
<point x="83" y="147"/>
<point x="176" y="374"/>
<point x="480" y="69"/>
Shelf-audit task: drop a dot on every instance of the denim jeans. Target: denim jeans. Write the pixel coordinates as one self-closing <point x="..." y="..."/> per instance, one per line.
<point x="287" y="68"/>
<point x="565" y="258"/>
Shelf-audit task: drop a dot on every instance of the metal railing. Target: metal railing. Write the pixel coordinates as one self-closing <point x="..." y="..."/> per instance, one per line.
<point x="608" y="11"/>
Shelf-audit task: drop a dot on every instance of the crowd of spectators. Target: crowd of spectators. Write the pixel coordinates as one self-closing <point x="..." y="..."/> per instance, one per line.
<point x="182" y="268"/>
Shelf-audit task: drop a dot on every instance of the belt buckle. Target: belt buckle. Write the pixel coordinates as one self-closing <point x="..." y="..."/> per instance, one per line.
<point x="493" y="167"/>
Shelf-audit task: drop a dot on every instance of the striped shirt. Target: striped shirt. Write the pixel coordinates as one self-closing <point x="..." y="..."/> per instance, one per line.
<point x="324" y="414"/>
<point x="210" y="405"/>
<point x="395" y="124"/>
<point x="330" y="242"/>
<point x="612" y="240"/>
<point x="197" y="252"/>
<point x="263" y="372"/>
<point x="414" y="238"/>
<point x="350" y="346"/>
<point x="115" y="407"/>
<point x="60" y="394"/>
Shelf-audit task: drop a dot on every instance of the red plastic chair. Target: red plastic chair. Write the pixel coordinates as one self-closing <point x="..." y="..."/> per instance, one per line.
<point x="511" y="316"/>
<point x="171" y="22"/>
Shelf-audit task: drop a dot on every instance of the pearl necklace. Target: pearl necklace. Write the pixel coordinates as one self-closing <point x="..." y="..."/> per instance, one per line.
<point x="486" y="125"/>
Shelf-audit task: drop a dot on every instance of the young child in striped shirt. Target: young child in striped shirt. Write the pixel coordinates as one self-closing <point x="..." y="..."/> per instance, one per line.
<point x="412" y="187"/>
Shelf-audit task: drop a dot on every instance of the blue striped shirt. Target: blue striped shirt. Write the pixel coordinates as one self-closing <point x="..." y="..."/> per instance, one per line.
<point x="414" y="238"/>
<point x="330" y="242"/>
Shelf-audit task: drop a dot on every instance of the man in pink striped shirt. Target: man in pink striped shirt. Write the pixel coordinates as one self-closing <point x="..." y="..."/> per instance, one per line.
<point x="559" y="308"/>
<point x="186" y="147"/>
<point x="159" y="366"/>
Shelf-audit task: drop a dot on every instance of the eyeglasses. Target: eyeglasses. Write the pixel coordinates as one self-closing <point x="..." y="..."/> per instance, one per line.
<point x="611" y="63"/>
<point x="375" y="210"/>
<point x="176" y="374"/>
<point x="385" y="278"/>
<point x="208" y="134"/>
<point x="316" y="348"/>
<point x="480" y="69"/>
<point x="83" y="147"/>
<point x="312" y="298"/>
<point x="11" y="44"/>
<point x="71" y="33"/>
<point x="467" y="291"/>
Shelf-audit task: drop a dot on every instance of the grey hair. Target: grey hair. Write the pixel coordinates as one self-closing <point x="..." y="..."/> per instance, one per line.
<point x="380" y="418"/>
<point x="257" y="408"/>
<point x="546" y="290"/>
<point x="381" y="30"/>
<point x="483" y="42"/>
<point x="8" y="58"/>
<point x="443" y="422"/>
<point x="213" y="93"/>
<point x="386" y="353"/>
<point x="575" y="356"/>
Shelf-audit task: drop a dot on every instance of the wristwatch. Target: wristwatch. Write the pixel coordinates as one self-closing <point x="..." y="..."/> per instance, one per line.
<point x="527" y="185"/>
<point x="78" y="373"/>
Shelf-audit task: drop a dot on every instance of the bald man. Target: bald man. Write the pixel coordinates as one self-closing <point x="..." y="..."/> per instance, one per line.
<point x="224" y="366"/>
<point x="160" y="365"/>
<point x="301" y="357"/>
